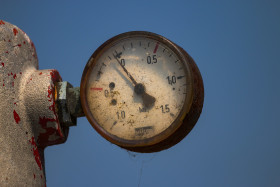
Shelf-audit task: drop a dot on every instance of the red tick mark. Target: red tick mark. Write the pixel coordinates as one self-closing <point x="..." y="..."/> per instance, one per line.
<point x="155" y="50"/>
<point x="96" y="89"/>
<point x="15" y="31"/>
<point x="2" y="22"/>
<point x="16" y="117"/>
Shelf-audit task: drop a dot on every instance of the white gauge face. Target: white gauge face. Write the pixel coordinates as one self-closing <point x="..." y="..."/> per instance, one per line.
<point x="137" y="88"/>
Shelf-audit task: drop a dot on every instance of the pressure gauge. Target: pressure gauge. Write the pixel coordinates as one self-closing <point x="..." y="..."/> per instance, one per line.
<point x="141" y="91"/>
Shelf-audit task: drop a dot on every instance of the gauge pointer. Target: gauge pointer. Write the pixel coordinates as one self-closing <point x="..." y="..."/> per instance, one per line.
<point x="139" y="88"/>
<point x="148" y="100"/>
<point x="125" y="70"/>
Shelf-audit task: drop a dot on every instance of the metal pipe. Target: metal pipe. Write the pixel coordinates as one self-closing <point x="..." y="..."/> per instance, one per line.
<point x="29" y="120"/>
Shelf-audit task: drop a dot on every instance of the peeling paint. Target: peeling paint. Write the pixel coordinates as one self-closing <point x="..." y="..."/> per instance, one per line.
<point x="50" y="93"/>
<point x="36" y="152"/>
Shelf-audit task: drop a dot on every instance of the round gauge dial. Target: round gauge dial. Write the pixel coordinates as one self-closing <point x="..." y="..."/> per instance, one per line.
<point x="141" y="91"/>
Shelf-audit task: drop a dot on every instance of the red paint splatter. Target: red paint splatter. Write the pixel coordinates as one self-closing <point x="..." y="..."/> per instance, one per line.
<point x="7" y="52"/>
<point x="32" y="44"/>
<point x="15" y="103"/>
<point x="34" y="52"/>
<point x="20" y="72"/>
<point x="15" y="75"/>
<point x="16" y="117"/>
<point x="34" y="175"/>
<point x="13" y="84"/>
<point x="19" y="45"/>
<point x="50" y="124"/>
<point x="15" y="31"/>
<point x="55" y="76"/>
<point x="2" y="64"/>
<point x="97" y="89"/>
<point x="2" y="22"/>
<point x="9" y="41"/>
<point x="50" y="93"/>
<point x="43" y="138"/>
<point x="24" y="42"/>
<point x="36" y="152"/>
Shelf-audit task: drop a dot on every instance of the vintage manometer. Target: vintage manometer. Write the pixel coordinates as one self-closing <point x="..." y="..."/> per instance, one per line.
<point x="141" y="91"/>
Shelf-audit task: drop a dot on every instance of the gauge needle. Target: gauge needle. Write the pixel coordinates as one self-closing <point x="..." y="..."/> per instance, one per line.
<point x="125" y="70"/>
<point x="139" y="88"/>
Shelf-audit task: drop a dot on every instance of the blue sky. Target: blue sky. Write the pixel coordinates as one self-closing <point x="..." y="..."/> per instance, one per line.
<point x="236" y="45"/>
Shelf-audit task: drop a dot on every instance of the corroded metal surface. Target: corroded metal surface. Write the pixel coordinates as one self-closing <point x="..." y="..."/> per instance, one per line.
<point x="74" y="102"/>
<point x="63" y="98"/>
<point x="28" y="117"/>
